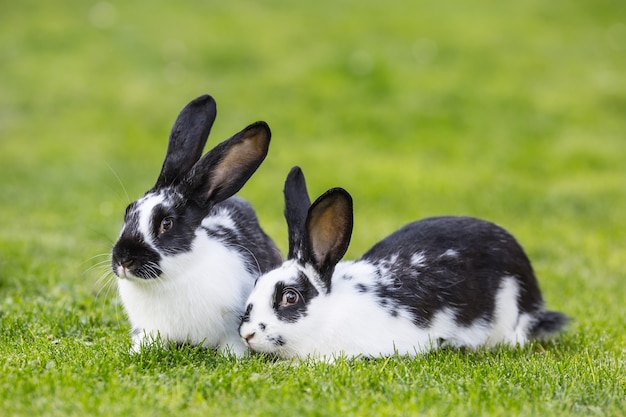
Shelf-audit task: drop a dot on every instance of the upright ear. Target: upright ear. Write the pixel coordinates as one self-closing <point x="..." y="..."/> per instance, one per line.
<point x="297" y="204"/>
<point x="187" y="139"/>
<point x="328" y="231"/>
<point x="226" y="168"/>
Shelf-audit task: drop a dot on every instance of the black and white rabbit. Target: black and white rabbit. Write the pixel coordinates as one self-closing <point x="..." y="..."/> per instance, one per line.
<point x="189" y="253"/>
<point x="452" y="281"/>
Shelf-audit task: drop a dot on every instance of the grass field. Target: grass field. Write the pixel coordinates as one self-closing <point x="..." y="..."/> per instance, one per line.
<point x="514" y="112"/>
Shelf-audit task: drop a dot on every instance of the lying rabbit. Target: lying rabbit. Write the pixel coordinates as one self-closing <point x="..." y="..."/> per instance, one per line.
<point x="441" y="281"/>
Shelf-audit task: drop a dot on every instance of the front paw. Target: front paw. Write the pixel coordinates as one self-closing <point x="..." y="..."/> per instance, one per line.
<point x="140" y="340"/>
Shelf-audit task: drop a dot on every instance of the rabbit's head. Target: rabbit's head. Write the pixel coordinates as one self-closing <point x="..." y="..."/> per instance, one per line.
<point x="285" y="308"/>
<point x="164" y="222"/>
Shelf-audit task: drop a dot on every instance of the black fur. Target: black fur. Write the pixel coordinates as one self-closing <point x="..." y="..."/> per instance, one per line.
<point x="463" y="262"/>
<point x="306" y="292"/>
<point x="278" y="340"/>
<point x="328" y="229"/>
<point x="187" y="139"/>
<point x="132" y="252"/>
<point x="548" y="323"/>
<point x="249" y="239"/>
<point x="193" y="188"/>
<point x="140" y="260"/>
<point x="297" y="204"/>
<point x="246" y="316"/>
<point x="225" y="169"/>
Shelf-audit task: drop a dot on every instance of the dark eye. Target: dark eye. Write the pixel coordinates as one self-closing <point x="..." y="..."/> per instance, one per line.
<point x="290" y="297"/>
<point x="166" y="224"/>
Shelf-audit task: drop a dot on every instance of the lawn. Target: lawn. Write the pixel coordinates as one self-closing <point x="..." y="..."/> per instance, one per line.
<point x="510" y="111"/>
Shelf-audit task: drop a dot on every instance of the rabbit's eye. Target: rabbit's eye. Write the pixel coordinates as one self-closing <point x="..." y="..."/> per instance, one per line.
<point x="290" y="297"/>
<point x="166" y="224"/>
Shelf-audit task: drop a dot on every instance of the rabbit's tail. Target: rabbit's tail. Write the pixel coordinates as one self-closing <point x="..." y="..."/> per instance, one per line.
<point x="548" y="324"/>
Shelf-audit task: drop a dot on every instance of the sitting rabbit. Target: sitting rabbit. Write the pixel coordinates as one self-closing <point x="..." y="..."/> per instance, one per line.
<point x="189" y="253"/>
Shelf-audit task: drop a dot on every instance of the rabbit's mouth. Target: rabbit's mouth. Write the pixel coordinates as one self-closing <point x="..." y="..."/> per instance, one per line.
<point x="267" y="344"/>
<point x="127" y="265"/>
<point x="144" y="272"/>
<point x="130" y="260"/>
<point x="258" y="339"/>
<point x="126" y="271"/>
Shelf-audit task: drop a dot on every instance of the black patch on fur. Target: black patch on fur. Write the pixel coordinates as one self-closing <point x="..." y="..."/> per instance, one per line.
<point x="246" y="316"/>
<point x="131" y="248"/>
<point x="466" y="283"/>
<point x="362" y="288"/>
<point x="132" y="251"/>
<point x="247" y="238"/>
<point x="293" y="313"/>
<point x="226" y="235"/>
<point x="277" y="340"/>
<point x="548" y="323"/>
<point x="140" y="260"/>
<point x="186" y="219"/>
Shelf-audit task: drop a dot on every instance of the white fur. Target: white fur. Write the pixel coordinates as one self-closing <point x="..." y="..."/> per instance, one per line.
<point x="347" y="322"/>
<point x="190" y="300"/>
<point x="199" y="296"/>
<point x="219" y="218"/>
<point x="510" y="326"/>
<point x="450" y="253"/>
<point x="418" y="260"/>
<point x="146" y="205"/>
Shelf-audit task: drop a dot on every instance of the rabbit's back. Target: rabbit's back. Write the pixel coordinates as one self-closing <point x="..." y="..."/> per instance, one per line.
<point x="456" y="263"/>
<point x="235" y="223"/>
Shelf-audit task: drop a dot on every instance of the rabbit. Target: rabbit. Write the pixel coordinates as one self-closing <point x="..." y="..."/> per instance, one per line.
<point x="442" y="281"/>
<point x="189" y="251"/>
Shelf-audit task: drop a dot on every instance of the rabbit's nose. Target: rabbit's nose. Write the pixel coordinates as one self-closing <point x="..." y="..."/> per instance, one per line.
<point x="122" y="267"/>
<point x="127" y="263"/>
<point x="249" y="336"/>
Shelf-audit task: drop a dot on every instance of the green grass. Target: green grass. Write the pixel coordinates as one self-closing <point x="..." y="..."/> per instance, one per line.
<point x="510" y="112"/>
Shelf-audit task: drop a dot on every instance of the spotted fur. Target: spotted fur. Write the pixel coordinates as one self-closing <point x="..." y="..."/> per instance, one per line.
<point x="188" y="253"/>
<point x="441" y="281"/>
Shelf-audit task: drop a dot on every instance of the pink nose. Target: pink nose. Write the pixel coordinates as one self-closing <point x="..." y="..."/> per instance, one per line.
<point x="248" y="336"/>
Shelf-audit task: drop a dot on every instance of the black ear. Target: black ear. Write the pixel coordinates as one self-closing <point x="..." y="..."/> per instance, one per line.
<point x="328" y="231"/>
<point x="226" y="168"/>
<point x="297" y="203"/>
<point x="187" y="139"/>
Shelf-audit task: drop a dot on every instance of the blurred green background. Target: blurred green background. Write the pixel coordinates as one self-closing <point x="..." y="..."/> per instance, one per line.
<point x="514" y="112"/>
<point x="510" y="111"/>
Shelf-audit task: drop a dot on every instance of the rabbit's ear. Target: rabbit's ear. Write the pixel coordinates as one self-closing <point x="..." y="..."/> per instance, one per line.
<point x="226" y="168"/>
<point x="328" y="231"/>
<point x="187" y="139"/>
<point x="297" y="204"/>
